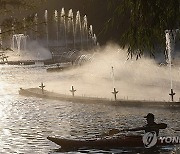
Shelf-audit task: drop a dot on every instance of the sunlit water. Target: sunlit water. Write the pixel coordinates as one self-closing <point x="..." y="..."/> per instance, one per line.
<point x="26" y="122"/>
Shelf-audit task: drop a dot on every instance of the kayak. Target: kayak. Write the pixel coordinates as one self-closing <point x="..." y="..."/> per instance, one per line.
<point x="125" y="141"/>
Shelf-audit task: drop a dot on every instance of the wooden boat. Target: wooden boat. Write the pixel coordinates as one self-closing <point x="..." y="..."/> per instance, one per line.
<point x="55" y="69"/>
<point x="121" y="142"/>
<point x="60" y="68"/>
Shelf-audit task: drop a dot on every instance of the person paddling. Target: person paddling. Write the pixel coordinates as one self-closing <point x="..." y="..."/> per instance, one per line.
<point x="150" y="126"/>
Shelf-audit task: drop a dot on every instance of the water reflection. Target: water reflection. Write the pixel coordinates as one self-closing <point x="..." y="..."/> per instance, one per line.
<point x="26" y="122"/>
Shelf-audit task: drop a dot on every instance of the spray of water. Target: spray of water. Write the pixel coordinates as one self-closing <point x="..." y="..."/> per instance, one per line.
<point x="63" y="26"/>
<point x="70" y="27"/>
<point x="20" y="41"/>
<point x="85" y="29"/>
<point x="46" y="27"/>
<point x="113" y="77"/>
<point x="140" y="80"/>
<point x="57" y="26"/>
<point x="33" y="51"/>
<point x="36" y="25"/>
<point x="170" y="44"/>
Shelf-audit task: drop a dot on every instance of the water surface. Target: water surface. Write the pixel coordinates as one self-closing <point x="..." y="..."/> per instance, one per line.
<point x="27" y="121"/>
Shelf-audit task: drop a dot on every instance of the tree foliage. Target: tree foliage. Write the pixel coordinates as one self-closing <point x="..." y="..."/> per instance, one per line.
<point x="146" y="22"/>
<point x="7" y="6"/>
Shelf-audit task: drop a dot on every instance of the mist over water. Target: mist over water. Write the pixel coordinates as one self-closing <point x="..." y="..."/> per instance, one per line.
<point x="134" y="79"/>
<point x="27" y="121"/>
<point x="34" y="51"/>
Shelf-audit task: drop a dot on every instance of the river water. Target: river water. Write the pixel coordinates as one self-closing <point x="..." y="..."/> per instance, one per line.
<point x="27" y="121"/>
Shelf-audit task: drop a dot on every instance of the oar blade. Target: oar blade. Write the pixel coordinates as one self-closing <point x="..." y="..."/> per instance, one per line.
<point x="113" y="131"/>
<point x="162" y="126"/>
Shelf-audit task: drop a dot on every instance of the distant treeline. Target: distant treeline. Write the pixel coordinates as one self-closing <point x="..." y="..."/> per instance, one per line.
<point x="138" y="25"/>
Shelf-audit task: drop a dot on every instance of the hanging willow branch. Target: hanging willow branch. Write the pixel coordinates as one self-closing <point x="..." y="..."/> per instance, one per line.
<point x="6" y="6"/>
<point x="146" y="22"/>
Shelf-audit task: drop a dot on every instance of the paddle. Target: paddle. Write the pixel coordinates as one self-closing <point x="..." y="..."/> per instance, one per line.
<point x="116" y="131"/>
<point x="157" y="126"/>
<point x="111" y="132"/>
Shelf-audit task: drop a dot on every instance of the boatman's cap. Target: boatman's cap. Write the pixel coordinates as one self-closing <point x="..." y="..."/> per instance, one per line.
<point x="149" y="115"/>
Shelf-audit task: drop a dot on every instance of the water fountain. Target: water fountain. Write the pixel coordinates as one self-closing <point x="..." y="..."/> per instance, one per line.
<point x="63" y="26"/>
<point x="70" y="27"/>
<point x="57" y="27"/>
<point x="94" y="40"/>
<point x="70" y="54"/>
<point x="46" y="27"/>
<point x="170" y="44"/>
<point x="83" y="58"/>
<point x="91" y="36"/>
<point x="36" y="26"/>
<point x="71" y="31"/>
<point x="72" y="34"/>
<point x="85" y="29"/>
<point x="78" y="29"/>
<point x="19" y="42"/>
<point x="114" y="89"/>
